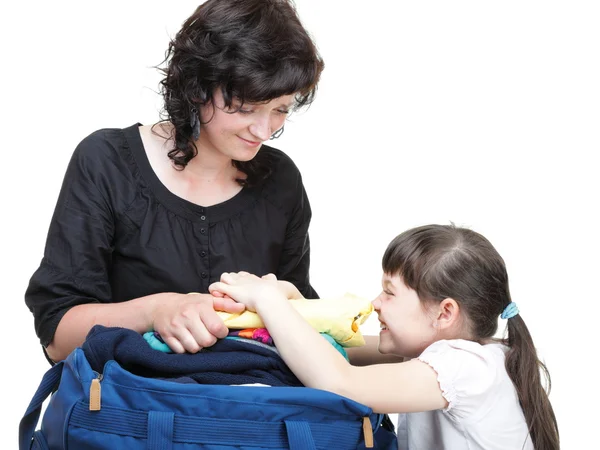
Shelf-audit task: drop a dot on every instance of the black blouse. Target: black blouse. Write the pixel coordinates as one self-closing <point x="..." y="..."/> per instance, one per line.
<point x="118" y="233"/>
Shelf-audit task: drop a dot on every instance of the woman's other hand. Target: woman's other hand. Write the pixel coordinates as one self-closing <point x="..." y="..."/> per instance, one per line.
<point x="188" y="322"/>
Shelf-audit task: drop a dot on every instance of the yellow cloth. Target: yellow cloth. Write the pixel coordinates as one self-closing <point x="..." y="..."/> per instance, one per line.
<point x="338" y="317"/>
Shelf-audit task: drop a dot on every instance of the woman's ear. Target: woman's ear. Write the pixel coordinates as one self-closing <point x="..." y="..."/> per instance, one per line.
<point x="448" y="314"/>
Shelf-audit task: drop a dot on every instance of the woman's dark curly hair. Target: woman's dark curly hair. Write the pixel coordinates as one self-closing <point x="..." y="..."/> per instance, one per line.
<point x="253" y="50"/>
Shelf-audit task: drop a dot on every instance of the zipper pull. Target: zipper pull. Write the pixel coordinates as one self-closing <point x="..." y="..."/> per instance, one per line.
<point x="368" y="432"/>
<point x="95" y="394"/>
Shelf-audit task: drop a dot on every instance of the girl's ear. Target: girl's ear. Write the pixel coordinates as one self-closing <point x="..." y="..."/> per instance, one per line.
<point x="448" y="313"/>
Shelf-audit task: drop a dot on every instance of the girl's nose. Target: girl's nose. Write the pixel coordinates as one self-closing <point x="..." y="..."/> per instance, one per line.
<point x="376" y="303"/>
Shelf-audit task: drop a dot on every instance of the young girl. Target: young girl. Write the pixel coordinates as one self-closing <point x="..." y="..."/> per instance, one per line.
<point x="444" y="288"/>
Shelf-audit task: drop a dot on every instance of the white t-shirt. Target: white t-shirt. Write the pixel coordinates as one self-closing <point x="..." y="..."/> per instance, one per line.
<point x="483" y="411"/>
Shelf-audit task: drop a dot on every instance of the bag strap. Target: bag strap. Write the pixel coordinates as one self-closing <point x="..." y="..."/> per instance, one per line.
<point x="160" y="430"/>
<point x="299" y="435"/>
<point x="30" y="419"/>
<point x="157" y="427"/>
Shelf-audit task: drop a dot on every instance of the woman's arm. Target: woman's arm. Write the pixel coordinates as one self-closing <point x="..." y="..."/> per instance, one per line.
<point x="71" y="290"/>
<point x="387" y="388"/>
<point x="294" y="263"/>
<point x="369" y="354"/>
<point x="186" y="322"/>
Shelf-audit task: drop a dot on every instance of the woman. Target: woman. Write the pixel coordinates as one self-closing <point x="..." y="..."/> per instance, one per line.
<point x="148" y="214"/>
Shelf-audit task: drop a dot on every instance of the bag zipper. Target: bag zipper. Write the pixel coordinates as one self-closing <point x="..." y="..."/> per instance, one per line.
<point x="96" y="393"/>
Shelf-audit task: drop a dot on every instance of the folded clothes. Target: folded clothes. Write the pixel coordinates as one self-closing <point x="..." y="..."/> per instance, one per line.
<point x="229" y="361"/>
<point x="260" y="336"/>
<point x="256" y="334"/>
<point x="339" y="317"/>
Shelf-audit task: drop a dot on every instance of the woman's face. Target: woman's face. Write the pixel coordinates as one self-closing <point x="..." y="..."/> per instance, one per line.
<point x="406" y="326"/>
<point x="238" y="133"/>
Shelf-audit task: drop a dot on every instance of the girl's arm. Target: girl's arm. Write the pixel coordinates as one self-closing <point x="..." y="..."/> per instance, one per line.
<point x="386" y="388"/>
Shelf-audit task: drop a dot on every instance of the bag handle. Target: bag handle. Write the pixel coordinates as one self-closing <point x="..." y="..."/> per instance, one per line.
<point x="157" y="427"/>
<point x="160" y="432"/>
<point x="32" y="415"/>
<point x="299" y="435"/>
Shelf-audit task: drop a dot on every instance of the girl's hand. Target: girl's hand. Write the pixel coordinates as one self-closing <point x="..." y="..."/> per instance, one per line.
<point x="249" y="289"/>
<point x="291" y="291"/>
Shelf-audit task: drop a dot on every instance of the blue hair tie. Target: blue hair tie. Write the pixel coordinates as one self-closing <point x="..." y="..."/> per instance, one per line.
<point x="510" y="311"/>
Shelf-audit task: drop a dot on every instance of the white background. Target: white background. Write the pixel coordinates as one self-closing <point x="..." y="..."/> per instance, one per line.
<point x="481" y="113"/>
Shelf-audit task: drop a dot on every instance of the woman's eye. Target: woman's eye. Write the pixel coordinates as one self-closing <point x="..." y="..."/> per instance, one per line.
<point x="245" y="111"/>
<point x="283" y="111"/>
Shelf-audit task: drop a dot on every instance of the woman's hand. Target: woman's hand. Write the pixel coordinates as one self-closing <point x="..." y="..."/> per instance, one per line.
<point x="249" y="289"/>
<point x="188" y="322"/>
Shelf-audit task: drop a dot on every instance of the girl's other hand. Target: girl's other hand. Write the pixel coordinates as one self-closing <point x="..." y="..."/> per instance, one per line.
<point x="249" y="289"/>
<point x="291" y="291"/>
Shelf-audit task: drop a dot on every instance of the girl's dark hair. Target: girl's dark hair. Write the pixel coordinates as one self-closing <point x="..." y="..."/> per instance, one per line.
<point x="253" y="50"/>
<point x="445" y="261"/>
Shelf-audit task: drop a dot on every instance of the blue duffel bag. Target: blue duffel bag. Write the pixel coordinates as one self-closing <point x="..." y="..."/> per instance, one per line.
<point x="120" y="410"/>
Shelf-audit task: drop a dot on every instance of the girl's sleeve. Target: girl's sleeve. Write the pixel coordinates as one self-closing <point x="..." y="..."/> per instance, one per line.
<point x="295" y="257"/>
<point x="77" y="256"/>
<point x="466" y="374"/>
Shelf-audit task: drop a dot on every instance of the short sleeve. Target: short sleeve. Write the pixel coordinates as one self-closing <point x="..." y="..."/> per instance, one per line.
<point x="467" y="373"/>
<point x="78" y="249"/>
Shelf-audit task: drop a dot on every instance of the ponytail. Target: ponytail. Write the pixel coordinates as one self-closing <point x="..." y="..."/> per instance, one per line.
<point x="523" y="367"/>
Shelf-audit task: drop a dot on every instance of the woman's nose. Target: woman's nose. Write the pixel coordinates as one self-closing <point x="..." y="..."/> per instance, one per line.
<point x="261" y="128"/>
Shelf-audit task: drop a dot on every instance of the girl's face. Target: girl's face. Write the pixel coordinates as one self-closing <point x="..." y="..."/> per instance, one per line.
<point x="407" y="327"/>
<point x="238" y="133"/>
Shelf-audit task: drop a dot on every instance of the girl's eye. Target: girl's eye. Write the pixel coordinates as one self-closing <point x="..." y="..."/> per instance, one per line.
<point x="245" y="111"/>
<point x="283" y="111"/>
<point x="388" y="293"/>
